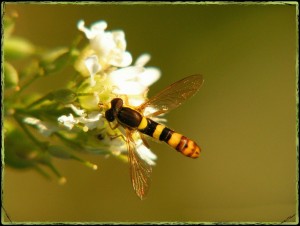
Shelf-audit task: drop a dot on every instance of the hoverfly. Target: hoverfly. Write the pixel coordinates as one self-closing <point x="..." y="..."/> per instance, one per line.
<point x="132" y="119"/>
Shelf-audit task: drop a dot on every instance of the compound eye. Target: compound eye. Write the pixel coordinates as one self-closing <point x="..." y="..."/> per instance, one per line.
<point x="109" y="115"/>
<point x="117" y="104"/>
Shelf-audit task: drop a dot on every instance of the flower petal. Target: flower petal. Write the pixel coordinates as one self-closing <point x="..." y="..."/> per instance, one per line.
<point x="96" y="29"/>
<point x="130" y="88"/>
<point x="142" y="60"/>
<point x="93" y="67"/>
<point x="45" y="128"/>
<point x="149" y="76"/>
<point x="99" y="27"/>
<point x="92" y="121"/>
<point x="119" y="39"/>
<point x="136" y="100"/>
<point x="123" y="59"/>
<point x="126" y="74"/>
<point x="146" y="154"/>
<point x="77" y="111"/>
<point x="67" y="121"/>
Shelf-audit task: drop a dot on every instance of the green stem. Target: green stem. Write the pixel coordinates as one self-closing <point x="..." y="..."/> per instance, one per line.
<point x="67" y="141"/>
<point x="84" y="94"/>
<point x="41" y="171"/>
<point x="74" y="157"/>
<point x="54" y="170"/>
<point x="22" y="88"/>
<point x="40" y="100"/>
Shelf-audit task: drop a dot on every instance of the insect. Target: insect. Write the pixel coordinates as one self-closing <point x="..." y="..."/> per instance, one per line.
<point x="132" y="119"/>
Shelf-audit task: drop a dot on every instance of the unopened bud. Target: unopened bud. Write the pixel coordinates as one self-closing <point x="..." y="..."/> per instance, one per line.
<point x="64" y="96"/>
<point x="11" y="77"/>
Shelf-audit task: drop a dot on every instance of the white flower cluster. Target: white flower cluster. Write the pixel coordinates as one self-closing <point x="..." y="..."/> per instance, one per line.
<point x="90" y="120"/>
<point x="111" y="74"/>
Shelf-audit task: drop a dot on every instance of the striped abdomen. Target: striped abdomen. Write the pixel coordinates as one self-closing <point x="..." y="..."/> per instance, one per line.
<point x="160" y="132"/>
<point x="134" y="120"/>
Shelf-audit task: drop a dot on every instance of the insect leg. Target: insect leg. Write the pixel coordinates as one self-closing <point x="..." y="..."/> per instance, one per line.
<point x="112" y="137"/>
<point x="144" y="140"/>
<point x="113" y="127"/>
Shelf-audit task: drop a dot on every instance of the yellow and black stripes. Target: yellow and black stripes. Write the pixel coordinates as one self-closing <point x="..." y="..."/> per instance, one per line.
<point x="181" y="143"/>
<point x="134" y="120"/>
<point x="147" y="126"/>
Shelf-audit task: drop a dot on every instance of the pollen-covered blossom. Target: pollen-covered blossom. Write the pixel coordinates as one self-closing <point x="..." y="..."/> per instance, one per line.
<point x="111" y="75"/>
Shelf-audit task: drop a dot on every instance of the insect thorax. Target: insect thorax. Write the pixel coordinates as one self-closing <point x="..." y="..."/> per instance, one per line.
<point x="129" y="117"/>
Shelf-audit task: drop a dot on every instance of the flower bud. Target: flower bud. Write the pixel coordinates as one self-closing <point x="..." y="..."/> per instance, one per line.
<point x="17" y="48"/>
<point x="8" y="25"/>
<point x="59" y="152"/>
<point x="55" y="60"/>
<point x="11" y="77"/>
<point x="64" y="96"/>
<point x="18" y="155"/>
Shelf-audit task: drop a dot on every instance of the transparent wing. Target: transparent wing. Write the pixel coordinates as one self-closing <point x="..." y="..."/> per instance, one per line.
<point x="174" y="95"/>
<point x="140" y="171"/>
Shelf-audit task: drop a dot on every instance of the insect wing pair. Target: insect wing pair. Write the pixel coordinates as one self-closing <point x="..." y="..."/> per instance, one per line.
<point x="163" y="102"/>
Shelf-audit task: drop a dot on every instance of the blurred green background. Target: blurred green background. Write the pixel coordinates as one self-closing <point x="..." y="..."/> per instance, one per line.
<point x="244" y="116"/>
